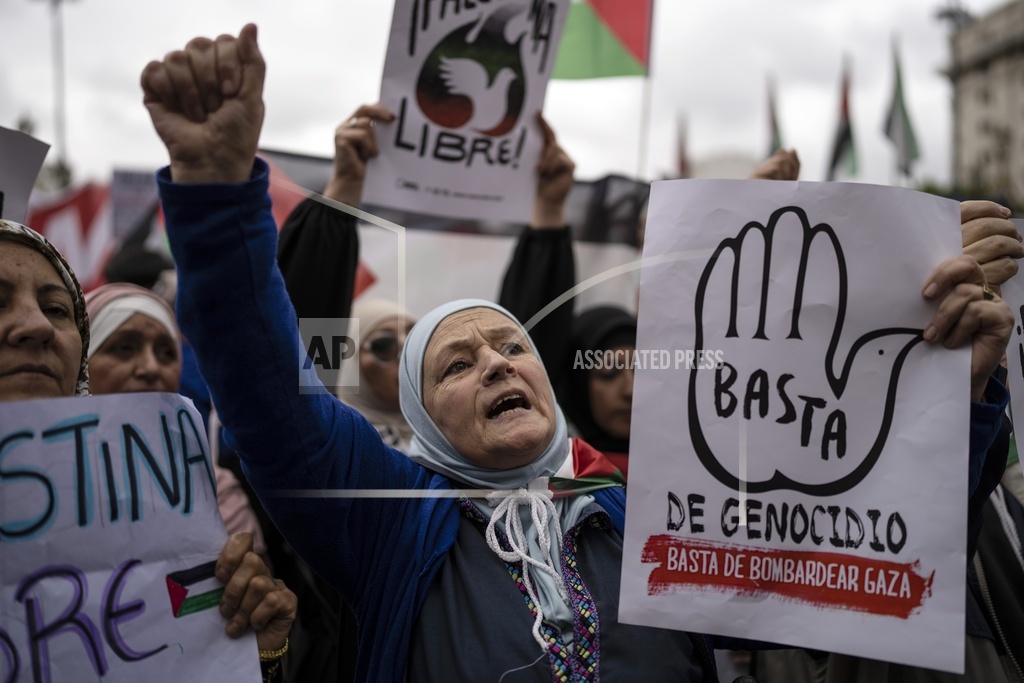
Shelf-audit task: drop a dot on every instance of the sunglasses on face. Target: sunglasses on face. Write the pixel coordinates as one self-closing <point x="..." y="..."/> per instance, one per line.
<point x="385" y="347"/>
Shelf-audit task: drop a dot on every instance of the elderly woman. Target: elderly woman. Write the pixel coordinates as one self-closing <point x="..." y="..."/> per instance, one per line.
<point x="44" y="352"/>
<point x="446" y="585"/>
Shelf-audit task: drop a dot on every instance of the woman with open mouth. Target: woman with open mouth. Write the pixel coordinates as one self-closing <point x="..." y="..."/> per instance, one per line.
<point x="460" y="561"/>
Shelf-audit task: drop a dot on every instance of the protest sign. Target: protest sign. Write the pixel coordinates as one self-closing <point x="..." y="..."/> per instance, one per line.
<point x="109" y="531"/>
<point x="798" y="461"/>
<point x="21" y="157"/>
<point x="465" y="80"/>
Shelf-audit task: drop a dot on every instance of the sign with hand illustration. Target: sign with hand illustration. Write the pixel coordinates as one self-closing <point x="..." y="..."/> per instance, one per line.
<point x="810" y="488"/>
<point x="464" y="81"/>
<point x="786" y="397"/>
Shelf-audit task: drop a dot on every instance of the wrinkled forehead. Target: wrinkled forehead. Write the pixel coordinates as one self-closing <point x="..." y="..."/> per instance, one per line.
<point x="465" y="324"/>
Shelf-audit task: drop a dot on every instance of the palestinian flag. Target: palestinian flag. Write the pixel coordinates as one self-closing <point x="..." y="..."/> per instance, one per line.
<point x="897" y="123"/>
<point x="843" y="152"/>
<point x="605" y="38"/>
<point x="194" y="590"/>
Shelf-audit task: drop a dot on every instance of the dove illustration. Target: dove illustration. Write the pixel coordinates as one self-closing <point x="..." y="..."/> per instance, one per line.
<point x="473" y="78"/>
<point x="490" y="99"/>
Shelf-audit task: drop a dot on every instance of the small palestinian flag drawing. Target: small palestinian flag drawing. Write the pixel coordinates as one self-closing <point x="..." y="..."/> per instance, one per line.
<point x="199" y="581"/>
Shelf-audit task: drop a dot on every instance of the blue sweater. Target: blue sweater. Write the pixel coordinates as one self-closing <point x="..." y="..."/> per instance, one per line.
<point x="380" y="554"/>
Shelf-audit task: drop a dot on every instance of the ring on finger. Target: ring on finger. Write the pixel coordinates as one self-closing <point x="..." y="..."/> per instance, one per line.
<point x="986" y="293"/>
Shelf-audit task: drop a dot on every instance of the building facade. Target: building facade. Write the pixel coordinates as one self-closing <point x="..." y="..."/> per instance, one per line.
<point x="987" y="73"/>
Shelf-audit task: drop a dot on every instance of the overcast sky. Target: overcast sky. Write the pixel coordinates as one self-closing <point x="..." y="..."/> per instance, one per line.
<point x="325" y="57"/>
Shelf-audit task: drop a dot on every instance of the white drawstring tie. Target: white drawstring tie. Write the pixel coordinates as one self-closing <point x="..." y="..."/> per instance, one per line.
<point x="542" y="509"/>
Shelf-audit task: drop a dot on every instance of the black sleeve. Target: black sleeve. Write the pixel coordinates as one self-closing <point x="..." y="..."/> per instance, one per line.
<point x="542" y="269"/>
<point x="318" y="254"/>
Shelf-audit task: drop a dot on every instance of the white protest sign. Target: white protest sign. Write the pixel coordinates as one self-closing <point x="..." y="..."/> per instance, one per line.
<point x="798" y="467"/>
<point x="465" y="80"/>
<point x="21" y="157"/>
<point x="108" y="529"/>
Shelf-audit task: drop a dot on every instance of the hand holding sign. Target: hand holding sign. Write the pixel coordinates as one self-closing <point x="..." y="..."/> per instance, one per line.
<point x="828" y="394"/>
<point x="354" y="145"/>
<point x="554" y="181"/>
<point x="969" y="312"/>
<point x="206" y="103"/>
<point x="992" y="239"/>
<point x="252" y="597"/>
<point x="783" y="165"/>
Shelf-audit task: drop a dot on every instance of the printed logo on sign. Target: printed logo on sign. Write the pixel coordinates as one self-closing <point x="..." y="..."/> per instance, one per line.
<point x="474" y="77"/>
<point x="328" y="343"/>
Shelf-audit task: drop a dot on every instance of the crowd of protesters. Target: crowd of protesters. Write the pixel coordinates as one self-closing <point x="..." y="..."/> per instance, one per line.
<point x="516" y="585"/>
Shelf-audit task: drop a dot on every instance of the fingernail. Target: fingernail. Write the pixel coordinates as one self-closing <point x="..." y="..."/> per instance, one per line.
<point x="234" y="629"/>
<point x="929" y="334"/>
<point x="931" y="290"/>
<point x="225" y="610"/>
<point x="1006" y="211"/>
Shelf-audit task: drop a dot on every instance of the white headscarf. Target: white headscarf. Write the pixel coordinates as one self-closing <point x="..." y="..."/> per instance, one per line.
<point x="525" y="513"/>
<point x="110" y="306"/>
<point x="390" y="423"/>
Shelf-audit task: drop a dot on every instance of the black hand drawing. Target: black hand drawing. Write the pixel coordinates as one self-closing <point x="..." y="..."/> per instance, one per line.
<point x="807" y="412"/>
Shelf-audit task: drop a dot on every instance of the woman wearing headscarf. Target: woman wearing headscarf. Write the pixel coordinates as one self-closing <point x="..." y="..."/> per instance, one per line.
<point x="44" y="353"/>
<point x="136" y="346"/>
<point x="598" y="396"/>
<point x="373" y="372"/>
<point x="448" y="581"/>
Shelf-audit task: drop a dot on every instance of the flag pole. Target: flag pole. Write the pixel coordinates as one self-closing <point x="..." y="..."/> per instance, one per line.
<point x="645" y="115"/>
<point x="645" y="107"/>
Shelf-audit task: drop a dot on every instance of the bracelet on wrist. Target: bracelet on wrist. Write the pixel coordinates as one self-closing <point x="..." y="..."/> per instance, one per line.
<point x="273" y="655"/>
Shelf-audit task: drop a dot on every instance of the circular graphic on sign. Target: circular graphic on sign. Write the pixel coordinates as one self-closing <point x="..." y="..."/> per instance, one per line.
<point x="474" y="77"/>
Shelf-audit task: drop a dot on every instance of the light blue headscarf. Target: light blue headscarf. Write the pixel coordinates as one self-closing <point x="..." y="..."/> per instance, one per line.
<point x="430" y="448"/>
<point x="536" y="535"/>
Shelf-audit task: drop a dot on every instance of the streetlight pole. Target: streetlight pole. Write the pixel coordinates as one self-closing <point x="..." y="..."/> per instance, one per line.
<point x="63" y="171"/>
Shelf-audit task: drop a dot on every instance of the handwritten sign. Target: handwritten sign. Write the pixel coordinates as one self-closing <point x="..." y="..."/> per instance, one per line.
<point x="21" y="157"/>
<point x="465" y="80"/>
<point x="109" y="529"/>
<point x="801" y="476"/>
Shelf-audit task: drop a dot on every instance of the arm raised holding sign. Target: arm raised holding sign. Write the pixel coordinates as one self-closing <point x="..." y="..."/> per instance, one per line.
<point x="380" y="525"/>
